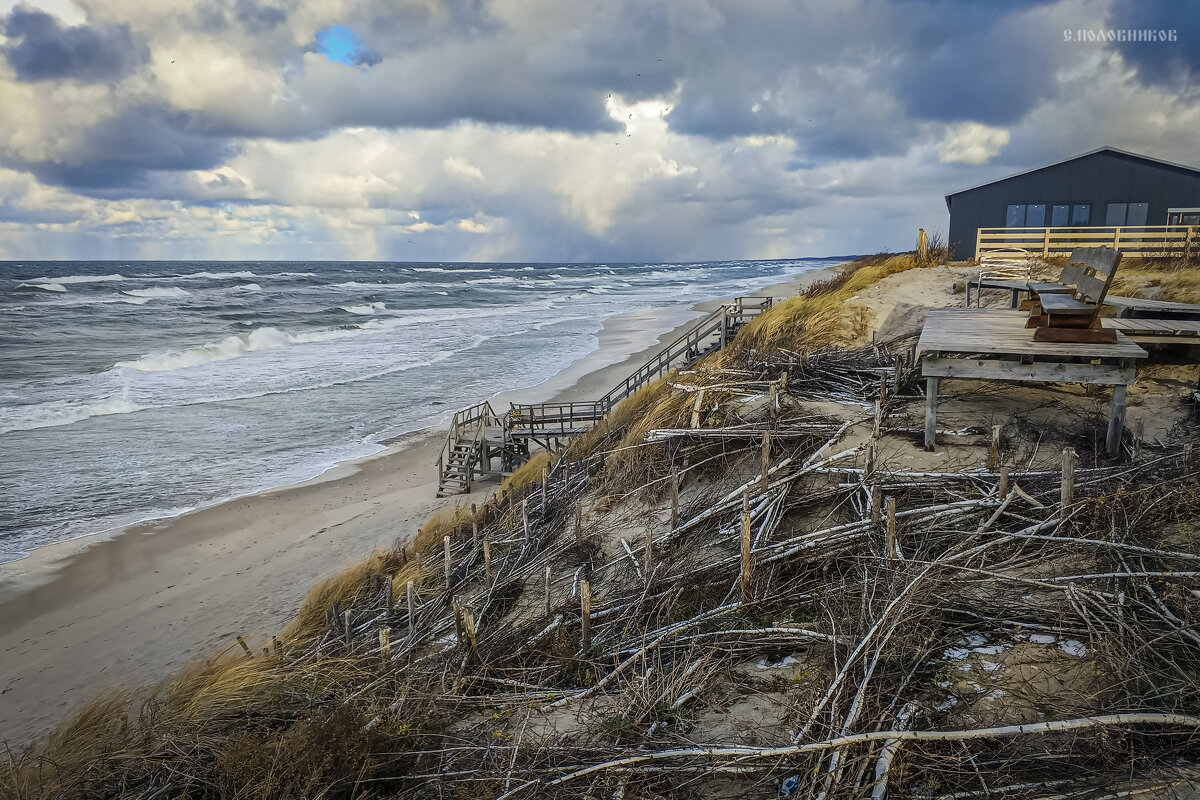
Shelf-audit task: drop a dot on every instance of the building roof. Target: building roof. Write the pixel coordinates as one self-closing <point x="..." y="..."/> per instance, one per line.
<point x="1117" y="150"/>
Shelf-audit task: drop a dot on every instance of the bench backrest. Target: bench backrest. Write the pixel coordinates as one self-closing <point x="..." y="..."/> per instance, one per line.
<point x="1090" y="270"/>
<point x="1012" y="264"/>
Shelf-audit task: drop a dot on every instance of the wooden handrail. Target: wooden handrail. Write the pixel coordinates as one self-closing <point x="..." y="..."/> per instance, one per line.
<point x="559" y="419"/>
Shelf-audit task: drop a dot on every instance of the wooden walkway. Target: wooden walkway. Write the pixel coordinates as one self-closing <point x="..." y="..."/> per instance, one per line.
<point x="478" y="435"/>
<point x="1156" y="331"/>
<point x="994" y="345"/>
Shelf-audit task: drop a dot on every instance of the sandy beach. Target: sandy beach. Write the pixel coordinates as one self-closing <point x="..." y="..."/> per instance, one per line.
<point x="86" y="615"/>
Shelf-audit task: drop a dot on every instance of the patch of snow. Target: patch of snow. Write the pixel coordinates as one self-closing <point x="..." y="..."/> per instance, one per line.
<point x="1073" y="647"/>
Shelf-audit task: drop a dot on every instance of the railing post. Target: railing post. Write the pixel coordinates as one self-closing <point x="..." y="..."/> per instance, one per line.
<point x="1117" y="238"/>
<point x="1046" y="243"/>
<point x="1187" y="243"/>
<point x="978" y="240"/>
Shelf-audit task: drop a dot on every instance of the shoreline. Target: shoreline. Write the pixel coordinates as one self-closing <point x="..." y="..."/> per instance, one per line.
<point x="148" y="599"/>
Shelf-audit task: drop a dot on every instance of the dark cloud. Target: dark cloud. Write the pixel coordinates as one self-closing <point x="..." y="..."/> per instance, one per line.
<point x="1159" y="61"/>
<point x="116" y="158"/>
<point x="256" y="16"/>
<point x="43" y="50"/>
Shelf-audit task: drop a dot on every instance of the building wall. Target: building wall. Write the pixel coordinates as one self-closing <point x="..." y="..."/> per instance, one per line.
<point x="1097" y="179"/>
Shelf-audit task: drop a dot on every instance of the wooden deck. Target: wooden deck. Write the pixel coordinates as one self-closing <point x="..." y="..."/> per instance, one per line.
<point x="1156" y="331"/>
<point x="988" y="344"/>
<point x="1134" y="307"/>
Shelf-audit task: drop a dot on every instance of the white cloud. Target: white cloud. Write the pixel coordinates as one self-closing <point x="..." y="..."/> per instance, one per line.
<point x="972" y="143"/>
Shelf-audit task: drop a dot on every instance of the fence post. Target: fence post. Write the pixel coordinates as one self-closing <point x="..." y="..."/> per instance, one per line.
<point x="891" y="528"/>
<point x="446" y="558"/>
<point x="1116" y="238"/>
<point x="487" y="564"/>
<point x="411" y="607"/>
<point x="746" y="589"/>
<point x="1046" y="243"/>
<point x="1068" y="479"/>
<point x="978" y="241"/>
<point x="585" y="608"/>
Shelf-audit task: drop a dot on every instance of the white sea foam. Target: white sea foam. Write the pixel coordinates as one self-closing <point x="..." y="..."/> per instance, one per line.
<point x="365" y="309"/>
<point x="257" y="340"/>
<point x="248" y="287"/>
<point x="443" y="269"/>
<point x="220" y="276"/>
<point x="43" y="287"/>
<point x="504" y="279"/>
<point x="378" y="287"/>
<point x="60" y="412"/>
<point x="159" y="292"/>
<point x="85" y="278"/>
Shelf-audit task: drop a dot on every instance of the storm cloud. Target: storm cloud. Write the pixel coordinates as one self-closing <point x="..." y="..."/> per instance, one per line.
<point x="42" y="49"/>
<point x="441" y="129"/>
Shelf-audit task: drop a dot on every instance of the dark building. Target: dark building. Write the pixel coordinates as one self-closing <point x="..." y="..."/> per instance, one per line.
<point x="1105" y="187"/>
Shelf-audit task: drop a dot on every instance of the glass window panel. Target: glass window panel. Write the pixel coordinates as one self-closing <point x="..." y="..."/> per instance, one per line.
<point x="1081" y="214"/>
<point x="1191" y="219"/>
<point x="1060" y="216"/>
<point x="1035" y="215"/>
<point x="1016" y="217"/>
<point x="1136" y="215"/>
<point x="1115" y="214"/>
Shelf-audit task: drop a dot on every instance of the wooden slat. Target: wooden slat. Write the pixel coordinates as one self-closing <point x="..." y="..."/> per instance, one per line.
<point x="1039" y="371"/>
<point x="1001" y="332"/>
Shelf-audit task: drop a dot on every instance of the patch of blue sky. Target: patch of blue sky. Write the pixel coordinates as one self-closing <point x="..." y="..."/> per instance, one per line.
<point x="342" y="45"/>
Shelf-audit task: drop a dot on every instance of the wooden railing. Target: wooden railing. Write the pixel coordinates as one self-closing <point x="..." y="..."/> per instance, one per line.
<point x="701" y="337"/>
<point x="1141" y="241"/>
<point x="544" y="421"/>
<point x="468" y="425"/>
<point x="553" y="419"/>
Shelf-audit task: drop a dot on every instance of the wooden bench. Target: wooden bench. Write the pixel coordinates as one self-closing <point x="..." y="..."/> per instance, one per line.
<point x="1069" y="311"/>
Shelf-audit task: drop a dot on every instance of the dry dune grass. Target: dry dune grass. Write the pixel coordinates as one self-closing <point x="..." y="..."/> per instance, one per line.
<point x="1172" y="280"/>
<point x="528" y="473"/>
<point x="816" y="319"/>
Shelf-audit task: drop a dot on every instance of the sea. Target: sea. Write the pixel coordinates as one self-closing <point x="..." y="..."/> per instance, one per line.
<point x="138" y="391"/>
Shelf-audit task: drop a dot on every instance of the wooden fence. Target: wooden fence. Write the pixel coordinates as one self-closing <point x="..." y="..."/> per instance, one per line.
<point x="1143" y="241"/>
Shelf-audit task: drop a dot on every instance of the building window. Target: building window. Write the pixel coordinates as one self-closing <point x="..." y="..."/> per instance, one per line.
<point x="1060" y="216"/>
<point x="1183" y="216"/>
<point x="1081" y="214"/>
<point x="1126" y="214"/>
<point x="1136" y="214"/>
<point x="1035" y="215"/>
<point x="1015" y="217"/>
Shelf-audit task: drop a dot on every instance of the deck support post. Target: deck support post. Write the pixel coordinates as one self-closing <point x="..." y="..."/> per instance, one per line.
<point x="1116" y="420"/>
<point x="931" y="388"/>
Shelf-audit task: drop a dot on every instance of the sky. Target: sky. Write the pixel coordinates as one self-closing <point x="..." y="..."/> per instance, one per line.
<point x="555" y="130"/>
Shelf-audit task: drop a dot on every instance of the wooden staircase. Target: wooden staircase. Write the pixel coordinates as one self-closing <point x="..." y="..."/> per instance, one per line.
<point x="478" y="435"/>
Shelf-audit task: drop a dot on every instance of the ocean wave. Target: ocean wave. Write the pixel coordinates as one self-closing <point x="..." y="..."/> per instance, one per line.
<point x="159" y="291"/>
<point x="42" y="287"/>
<point x="85" y="278"/>
<point x="61" y="412"/>
<point x="505" y="279"/>
<point x="290" y="275"/>
<point x="257" y="340"/>
<point x="217" y="276"/>
<point x="377" y="287"/>
<point x="364" y="309"/>
<point x="443" y="269"/>
<point x="248" y="287"/>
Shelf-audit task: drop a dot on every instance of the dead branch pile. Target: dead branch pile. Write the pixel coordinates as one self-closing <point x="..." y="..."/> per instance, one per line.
<point x="813" y="616"/>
